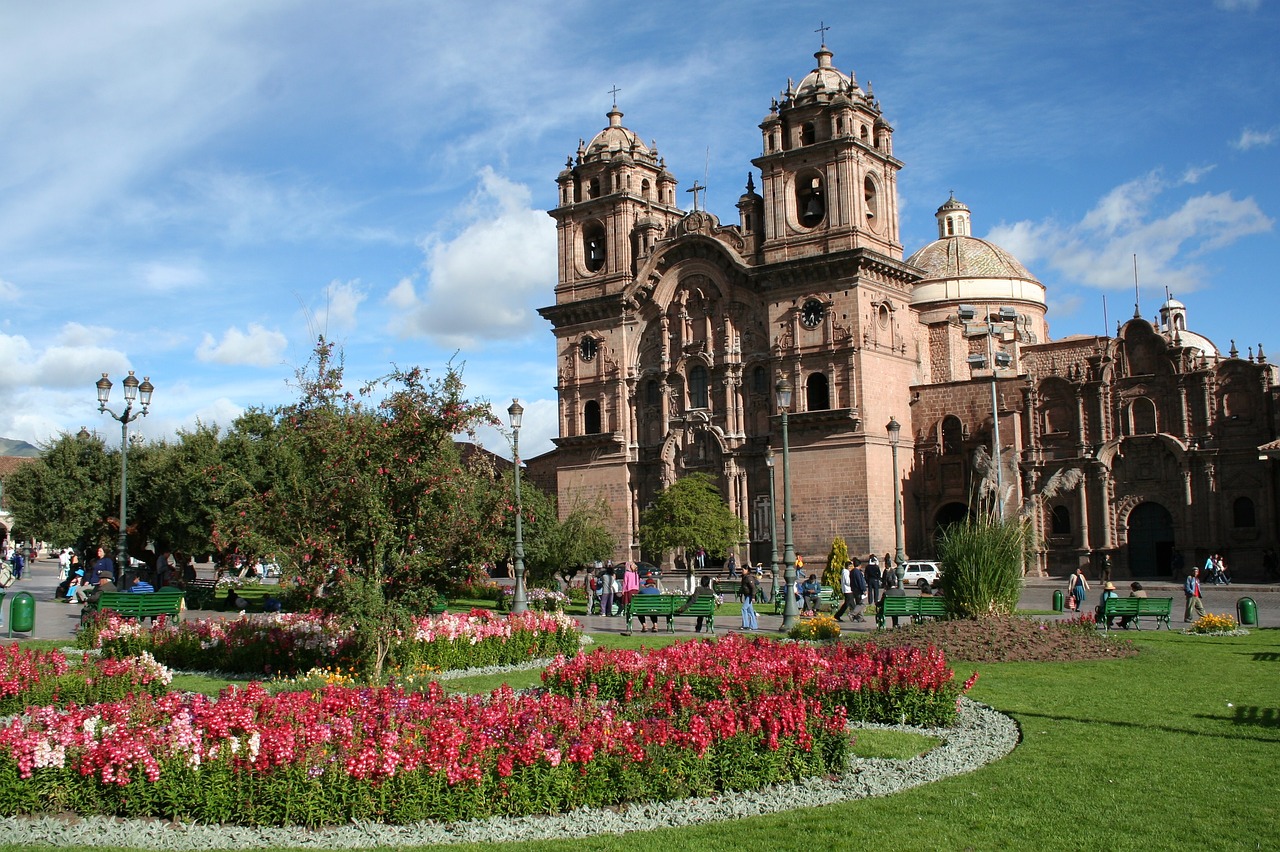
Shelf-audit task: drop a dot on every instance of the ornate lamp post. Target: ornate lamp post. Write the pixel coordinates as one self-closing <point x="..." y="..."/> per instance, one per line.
<point x="773" y="528"/>
<point x="133" y="390"/>
<point x="521" y="602"/>
<point x="789" y="613"/>
<point x="900" y="550"/>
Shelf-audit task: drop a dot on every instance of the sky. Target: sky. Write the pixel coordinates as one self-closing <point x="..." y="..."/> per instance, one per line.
<point x="196" y="190"/>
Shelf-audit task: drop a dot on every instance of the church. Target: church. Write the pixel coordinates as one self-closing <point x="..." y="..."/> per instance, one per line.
<point x="674" y="333"/>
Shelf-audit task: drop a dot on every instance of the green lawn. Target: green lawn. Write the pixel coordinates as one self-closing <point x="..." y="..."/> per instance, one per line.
<point x="1176" y="748"/>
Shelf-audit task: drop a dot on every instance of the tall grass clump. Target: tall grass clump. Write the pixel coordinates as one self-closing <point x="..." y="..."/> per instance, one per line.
<point x="982" y="565"/>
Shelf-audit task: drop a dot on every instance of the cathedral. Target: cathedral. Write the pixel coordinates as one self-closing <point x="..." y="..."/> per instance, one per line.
<point x="674" y="332"/>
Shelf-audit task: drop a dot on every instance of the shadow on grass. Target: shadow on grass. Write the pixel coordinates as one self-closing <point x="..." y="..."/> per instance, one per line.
<point x="1265" y="657"/>
<point x="1260" y="720"/>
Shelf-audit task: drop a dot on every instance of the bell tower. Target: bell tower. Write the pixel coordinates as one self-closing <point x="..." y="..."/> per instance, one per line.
<point x="829" y="177"/>
<point x="616" y="199"/>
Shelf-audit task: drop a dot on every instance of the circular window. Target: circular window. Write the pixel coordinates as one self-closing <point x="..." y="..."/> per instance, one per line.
<point x="588" y="348"/>
<point x="883" y="315"/>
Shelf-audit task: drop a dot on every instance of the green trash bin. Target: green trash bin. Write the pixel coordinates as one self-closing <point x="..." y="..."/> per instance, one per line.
<point x="1246" y="612"/>
<point x="22" y="613"/>
<point x="1058" y="602"/>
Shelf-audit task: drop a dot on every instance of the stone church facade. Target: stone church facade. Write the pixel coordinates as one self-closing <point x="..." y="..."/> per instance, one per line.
<point x="672" y="330"/>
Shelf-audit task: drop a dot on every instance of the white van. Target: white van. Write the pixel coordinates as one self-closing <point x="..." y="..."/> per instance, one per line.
<point x="920" y="572"/>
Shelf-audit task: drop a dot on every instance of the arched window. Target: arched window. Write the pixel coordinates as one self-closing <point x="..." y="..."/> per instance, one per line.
<point x="644" y="188"/>
<point x="651" y="392"/>
<point x="952" y="435"/>
<point x="591" y="418"/>
<point x="864" y="133"/>
<point x="1142" y="416"/>
<point x="594" y="251"/>
<point x="817" y="392"/>
<point x="807" y="134"/>
<point x="594" y="188"/>
<point x="811" y="204"/>
<point x="698" y="387"/>
<point x="760" y="380"/>
<point x="1242" y="514"/>
<point x="1061" y="520"/>
<point x="871" y="199"/>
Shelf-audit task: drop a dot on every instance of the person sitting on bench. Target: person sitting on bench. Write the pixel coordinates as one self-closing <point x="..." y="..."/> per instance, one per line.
<point x="704" y="590"/>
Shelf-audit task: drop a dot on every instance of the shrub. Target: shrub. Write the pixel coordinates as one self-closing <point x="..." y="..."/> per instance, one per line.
<point x="37" y="678"/>
<point x="835" y="562"/>
<point x="1211" y="623"/>
<point x="982" y="565"/>
<point x="817" y="628"/>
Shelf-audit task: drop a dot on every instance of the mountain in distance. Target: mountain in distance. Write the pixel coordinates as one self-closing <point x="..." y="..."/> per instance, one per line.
<point x="14" y="447"/>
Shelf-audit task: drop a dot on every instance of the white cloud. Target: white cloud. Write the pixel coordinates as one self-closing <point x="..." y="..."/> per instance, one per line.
<point x="1194" y="173"/>
<point x="1098" y="250"/>
<point x="8" y="291"/>
<point x="481" y="281"/>
<point x="257" y="347"/>
<point x="1250" y="138"/>
<point x="339" y="303"/>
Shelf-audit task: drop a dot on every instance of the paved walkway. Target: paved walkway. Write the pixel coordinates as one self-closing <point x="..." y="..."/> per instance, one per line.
<point x="58" y="621"/>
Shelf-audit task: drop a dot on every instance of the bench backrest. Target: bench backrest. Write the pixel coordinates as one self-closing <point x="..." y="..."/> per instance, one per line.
<point x="653" y="604"/>
<point x="150" y="603"/>
<point x="1122" y="606"/>
<point x="894" y="605"/>
<point x="699" y="606"/>
<point x="1154" y="606"/>
<point x="930" y="606"/>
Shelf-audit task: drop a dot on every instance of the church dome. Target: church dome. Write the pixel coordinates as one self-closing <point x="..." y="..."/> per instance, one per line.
<point x="824" y="83"/>
<point x="614" y="140"/>
<point x="967" y="257"/>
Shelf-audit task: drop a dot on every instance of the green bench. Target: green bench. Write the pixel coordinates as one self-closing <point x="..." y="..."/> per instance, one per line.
<point x="668" y="606"/>
<point x="438" y="607"/>
<point x="915" y="608"/>
<point x="201" y="594"/>
<point x="829" y="599"/>
<point x="1135" y="609"/>
<point x="140" y="606"/>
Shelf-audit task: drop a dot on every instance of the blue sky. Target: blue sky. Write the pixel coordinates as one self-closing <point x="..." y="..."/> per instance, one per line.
<point x="194" y="190"/>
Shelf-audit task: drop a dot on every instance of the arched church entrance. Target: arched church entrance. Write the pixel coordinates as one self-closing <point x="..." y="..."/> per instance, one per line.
<point x="951" y="513"/>
<point x="1150" y="541"/>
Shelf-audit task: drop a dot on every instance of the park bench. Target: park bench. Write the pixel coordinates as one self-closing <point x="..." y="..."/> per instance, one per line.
<point x="438" y="607"/>
<point x="201" y="594"/>
<point x="1135" y="609"/>
<point x="140" y="606"/>
<point x="664" y="605"/>
<point x="915" y="608"/>
<point x="829" y="600"/>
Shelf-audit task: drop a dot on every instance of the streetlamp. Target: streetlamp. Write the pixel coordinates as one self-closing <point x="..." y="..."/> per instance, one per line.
<point x="789" y="613"/>
<point x="133" y="389"/>
<point x="773" y="528"/>
<point x="520" y="603"/>
<point x="994" y="360"/>
<point x="900" y="550"/>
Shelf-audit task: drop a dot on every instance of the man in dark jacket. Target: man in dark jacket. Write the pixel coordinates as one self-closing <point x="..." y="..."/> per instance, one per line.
<point x="704" y="590"/>
<point x="859" y="582"/>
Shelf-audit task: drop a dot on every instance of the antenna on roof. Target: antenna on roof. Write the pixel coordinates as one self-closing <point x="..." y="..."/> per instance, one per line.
<point x="1105" y="323"/>
<point x="1137" y="314"/>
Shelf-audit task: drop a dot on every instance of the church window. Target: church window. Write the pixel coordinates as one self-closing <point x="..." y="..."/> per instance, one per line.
<point x="591" y="418"/>
<point x="817" y="392"/>
<point x="951" y="227"/>
<point x="698" y="386"/>
<point x="864" y="133"/>
<point x="1237" y="405"/>
<point x="760" y="380"/>
<point x="871" y="200"/>
<point x="652" y="392"/>
<point x="811" y="205"/>
<point x="807" y="134"/>
<point x="1142" y="416"/>
<point x="644" y="188"/>
<point x="593" y="246"/>
<point x="1242" y="514"/>
<point x="594" y="189"/>
<point x="952" y="435"/>
<point x="1061" y="520"/>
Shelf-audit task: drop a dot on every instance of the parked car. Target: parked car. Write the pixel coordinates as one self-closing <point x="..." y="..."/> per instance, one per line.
<point x="648" y="569"/>
<point x="921" y="572"/>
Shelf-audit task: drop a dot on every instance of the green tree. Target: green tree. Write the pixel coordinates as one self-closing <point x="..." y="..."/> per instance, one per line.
<point x="835" y="562"/>
<point x="691" y="513"/>
<point x="564" y="546"/>
<point x="69" y="495"/>
<point x="176" y="494"/>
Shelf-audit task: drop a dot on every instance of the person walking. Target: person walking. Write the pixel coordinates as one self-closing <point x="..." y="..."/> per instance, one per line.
<point x="860" y="587"/>
<point x="1191" y="589"/>
<point x="630" y="584"/>
<point x="846" y="589"/>
<point x="608" y="588"/>
<point x="1078" y="585"/>
<point x="875" y="578"/>
<point x="747" y="591"/>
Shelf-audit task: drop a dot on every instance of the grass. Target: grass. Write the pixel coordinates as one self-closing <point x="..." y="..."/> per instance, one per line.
<point x="892" y="745"/>
<point x="1177" y="747"/>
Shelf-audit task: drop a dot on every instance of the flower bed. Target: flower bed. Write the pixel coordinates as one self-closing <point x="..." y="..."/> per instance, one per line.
<point x="343" y="754"/>
<point x="30" y="677"/>
<point x="292" y="643"/>
<point x="1211" y="624"/>
<point x="897" y="685"/>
